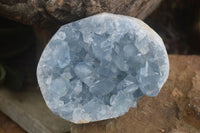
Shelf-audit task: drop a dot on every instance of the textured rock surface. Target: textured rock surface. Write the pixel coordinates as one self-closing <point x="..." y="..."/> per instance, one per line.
<point x="99" y="67"/>
<point x="45" y="12"/>
<point x="176" y="109"/>
<point x="8" y="126"/>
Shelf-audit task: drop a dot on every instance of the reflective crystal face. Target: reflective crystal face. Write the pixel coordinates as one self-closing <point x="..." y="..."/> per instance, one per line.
<point x="98" y="67"/>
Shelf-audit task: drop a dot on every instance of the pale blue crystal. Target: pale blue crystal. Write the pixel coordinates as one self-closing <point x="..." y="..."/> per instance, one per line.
<point x="102" y="87"/>
<point x="98" y="67"/>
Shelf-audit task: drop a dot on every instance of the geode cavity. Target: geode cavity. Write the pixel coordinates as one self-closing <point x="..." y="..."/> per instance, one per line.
<point x="98" y="67"/>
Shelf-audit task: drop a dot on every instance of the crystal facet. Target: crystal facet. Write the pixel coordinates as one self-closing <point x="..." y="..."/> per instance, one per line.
<point x="98" y="67"/>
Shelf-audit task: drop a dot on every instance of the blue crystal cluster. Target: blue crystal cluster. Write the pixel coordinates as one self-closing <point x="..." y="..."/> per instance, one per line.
<point x="98" y="67"/>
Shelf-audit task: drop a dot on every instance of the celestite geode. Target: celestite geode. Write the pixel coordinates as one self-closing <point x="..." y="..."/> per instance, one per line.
<point x="98" y="67"/>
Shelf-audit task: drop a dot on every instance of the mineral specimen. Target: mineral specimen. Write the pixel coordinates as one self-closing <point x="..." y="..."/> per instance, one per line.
<point x="98" y="67"/>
